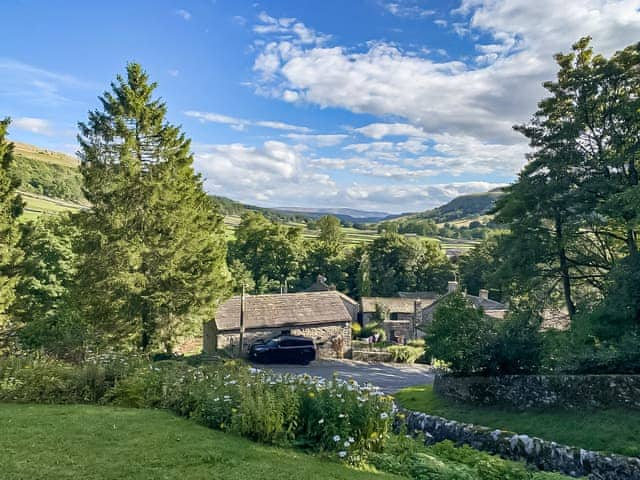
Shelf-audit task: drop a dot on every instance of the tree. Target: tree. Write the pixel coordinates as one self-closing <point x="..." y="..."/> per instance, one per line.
<point x="271" y="251"/>
<point x="477" y="268"/>
<point x="44" y="309"/>
<point x="460" y="335"/>
<point x="331" y="237"/>
<point x="153" y="250"/>
<point x="10" y="208"/>
<point x="400" y="264"/>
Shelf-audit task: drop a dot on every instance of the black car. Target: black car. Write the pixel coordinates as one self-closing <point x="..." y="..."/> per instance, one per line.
<point x="284" y="349"/>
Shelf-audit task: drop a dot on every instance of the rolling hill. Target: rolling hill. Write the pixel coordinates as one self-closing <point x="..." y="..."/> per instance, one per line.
<point x="464" y="207"/>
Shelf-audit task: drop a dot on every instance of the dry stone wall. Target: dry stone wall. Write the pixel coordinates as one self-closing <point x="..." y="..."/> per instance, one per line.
<point x="534" y="391"/>
<point x="545" y="455"/>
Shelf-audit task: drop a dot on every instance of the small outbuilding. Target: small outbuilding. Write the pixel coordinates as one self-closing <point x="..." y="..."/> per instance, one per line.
<point x="324" y="316"/>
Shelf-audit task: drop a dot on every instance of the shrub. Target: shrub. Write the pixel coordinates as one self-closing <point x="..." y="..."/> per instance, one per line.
<point x="356" y="330"/>
<point x="405" y="353"/>
<point x="518" y="345"/>
<point x="460" y="335"/>
<point x="328" y="415"/>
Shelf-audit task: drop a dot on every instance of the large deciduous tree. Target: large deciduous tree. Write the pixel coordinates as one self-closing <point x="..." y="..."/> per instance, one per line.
<point x="153" y="250"/>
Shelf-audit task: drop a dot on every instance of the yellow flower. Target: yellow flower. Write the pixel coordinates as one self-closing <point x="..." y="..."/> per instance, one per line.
<point x="311" y="394"/>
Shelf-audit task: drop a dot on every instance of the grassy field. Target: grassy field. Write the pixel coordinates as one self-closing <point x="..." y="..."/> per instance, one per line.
<point x="43" y="155"/>
<point x="91" y="443"/>
<point x="353" y="236"/>
<point x="36" y="205"/>
<point x="611" y="431"/>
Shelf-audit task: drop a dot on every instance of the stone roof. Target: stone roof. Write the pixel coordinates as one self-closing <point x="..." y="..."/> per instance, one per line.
<point x="394" y="304"/>
<point x="284" y="310"/>
<point x="420" y="295"/>
<point x="486" y="304"/>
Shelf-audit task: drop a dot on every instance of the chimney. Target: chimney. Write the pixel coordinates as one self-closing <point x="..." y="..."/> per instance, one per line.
<point x="452" y="286"/>
<point x="484" y="294"/>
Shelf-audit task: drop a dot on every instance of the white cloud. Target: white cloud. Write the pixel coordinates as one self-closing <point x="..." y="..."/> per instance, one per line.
<point x="33" y="125"/>
<point x="464" y="108"/>
<point x="380" y="130"/>
<point x="408" y="8"/>
<point x="288" y="28"/>
<point x="242" y="124"/>
<point x="184" y="14"/>
<point x="173" y="72"/>
<point x="274" y="174"/>
<point x="412" y="197"/>
<point x="319" y="140"/>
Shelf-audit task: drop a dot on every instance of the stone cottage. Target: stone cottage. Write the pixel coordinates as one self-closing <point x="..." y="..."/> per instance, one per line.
<point x="401" y="314"/>
<point x="324" y="316"/>
<point x="490" y="307"/>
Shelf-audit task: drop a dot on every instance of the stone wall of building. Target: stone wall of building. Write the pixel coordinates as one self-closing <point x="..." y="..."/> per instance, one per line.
<point x="321" y="334"/>
<point x="545" y="455"/>
<point x="526" y="391"/>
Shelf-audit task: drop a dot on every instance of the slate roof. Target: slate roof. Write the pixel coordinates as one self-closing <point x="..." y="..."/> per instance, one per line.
<point x="286" y="310"/>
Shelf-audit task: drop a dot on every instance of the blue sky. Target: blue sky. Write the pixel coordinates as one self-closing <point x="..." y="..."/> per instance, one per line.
<point x="391" y="105"/>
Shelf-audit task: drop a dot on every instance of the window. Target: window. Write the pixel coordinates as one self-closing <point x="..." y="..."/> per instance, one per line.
<point x="394" y="316"/>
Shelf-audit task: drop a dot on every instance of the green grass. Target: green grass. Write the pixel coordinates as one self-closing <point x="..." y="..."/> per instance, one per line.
<point x="611" y="431"/>
<point x="89" y="442"/>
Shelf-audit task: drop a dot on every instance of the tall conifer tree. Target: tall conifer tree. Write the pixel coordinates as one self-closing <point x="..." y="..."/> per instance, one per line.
<point x="10" y="209"/>
<point x="153" y="255"/>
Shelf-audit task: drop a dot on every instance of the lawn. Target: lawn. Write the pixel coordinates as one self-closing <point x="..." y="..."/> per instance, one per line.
<point x="611" y="431"/>
<point x="89" y="442"/>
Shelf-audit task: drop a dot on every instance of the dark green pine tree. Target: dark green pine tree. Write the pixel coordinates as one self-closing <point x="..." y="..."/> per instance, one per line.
<point x="10" y="208"/>
<point x="153" y="252"/>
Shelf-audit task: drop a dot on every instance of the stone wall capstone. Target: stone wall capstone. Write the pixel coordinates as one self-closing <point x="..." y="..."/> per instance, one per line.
<point x="545" y="455"/>
<point x="534" y="391"/>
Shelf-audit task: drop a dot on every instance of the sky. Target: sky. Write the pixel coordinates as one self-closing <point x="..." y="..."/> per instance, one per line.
<point x="384" y="105"/>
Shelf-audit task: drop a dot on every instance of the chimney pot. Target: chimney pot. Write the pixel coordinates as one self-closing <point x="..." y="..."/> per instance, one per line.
<point x="452" y="286"/>
<point x="484" y="293"/>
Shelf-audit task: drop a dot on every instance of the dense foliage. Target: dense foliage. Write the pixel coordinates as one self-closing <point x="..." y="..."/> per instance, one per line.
<point x="470" y="342"/>
<point x="49" y="179"/>
<point x="153" y="246"/>
<point x="10" y="209"/>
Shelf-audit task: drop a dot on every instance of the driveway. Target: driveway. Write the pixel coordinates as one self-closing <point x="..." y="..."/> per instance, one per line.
<point x="390" y="377"/>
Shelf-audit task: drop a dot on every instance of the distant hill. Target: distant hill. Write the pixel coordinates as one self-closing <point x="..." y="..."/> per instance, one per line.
<point x="345" y="214"/>
<point x="462" y="207"/>
<point x="46" y="173"/>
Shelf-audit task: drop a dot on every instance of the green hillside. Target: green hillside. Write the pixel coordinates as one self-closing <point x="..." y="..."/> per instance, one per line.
<point x="462" y="208"/>
<point x="47" y="174"/>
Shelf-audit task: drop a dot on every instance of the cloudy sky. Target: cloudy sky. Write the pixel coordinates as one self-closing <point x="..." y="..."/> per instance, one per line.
<point x="391" y="105"/>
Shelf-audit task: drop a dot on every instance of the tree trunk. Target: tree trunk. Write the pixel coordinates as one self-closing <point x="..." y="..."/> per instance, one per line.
<point x="564" y="268"/>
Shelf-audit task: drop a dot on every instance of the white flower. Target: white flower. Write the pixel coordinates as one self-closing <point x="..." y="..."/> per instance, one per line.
<point x="342" y="454"/>
<point x="321" y="421"/>
<point x="336" y="438"/>
<point x="384" y="415"/>
<point x="351" y="439"/>
<point x="342" y="415"/>
<point x="347" y="444"/>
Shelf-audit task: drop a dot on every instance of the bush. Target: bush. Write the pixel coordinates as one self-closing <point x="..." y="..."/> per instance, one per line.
<point x="405" y="353"/>
<point x="460" y="335"/>
<point x="356" y="330"/>
<point x="518" y="345"/>
<point x="444" y="461"/>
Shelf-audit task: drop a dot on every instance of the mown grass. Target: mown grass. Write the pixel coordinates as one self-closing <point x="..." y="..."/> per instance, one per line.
<point x="611" y="431"/>
<point x="89" y="442"/>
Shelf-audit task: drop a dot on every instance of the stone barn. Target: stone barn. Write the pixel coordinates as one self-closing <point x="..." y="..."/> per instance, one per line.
<point x="323" y="316"/>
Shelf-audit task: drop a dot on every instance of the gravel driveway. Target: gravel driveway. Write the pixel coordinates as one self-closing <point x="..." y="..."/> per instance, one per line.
<point x="390" y="377"/>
